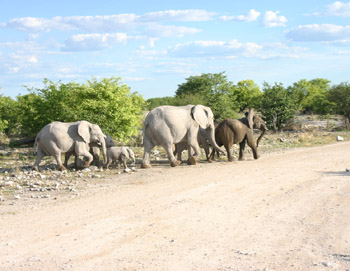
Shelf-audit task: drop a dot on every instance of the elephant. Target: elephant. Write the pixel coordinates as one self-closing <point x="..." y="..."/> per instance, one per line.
<point x="202" y="138"/>
<point x="167" y="125"/>
<point x="239" y="131"/>
<point x="120" y="154"/>
<point x="94" y="150"/>
<point x="69" y="137"/>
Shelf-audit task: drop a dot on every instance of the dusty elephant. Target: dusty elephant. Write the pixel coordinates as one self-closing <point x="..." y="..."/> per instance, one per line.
<point x="57" y="138"/>
<point x="202" y="138"/>
<point x="94" y="150"/>
<point x="121" y="155"/>
<point x="168" y="125"/>
<point x="239" y="131"/>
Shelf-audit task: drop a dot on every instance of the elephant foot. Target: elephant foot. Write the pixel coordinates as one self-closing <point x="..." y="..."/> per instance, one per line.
<point x="192" y="161"/>
<point x="144" y="165"/>
<point x="175" y="164"/>
<point x="62" y="168"/>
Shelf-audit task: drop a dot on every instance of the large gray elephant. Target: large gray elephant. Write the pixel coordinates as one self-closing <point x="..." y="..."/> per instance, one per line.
<point x="239" y="131"/>
<point x="168" y="125"/>
<point x="70" y="137"/>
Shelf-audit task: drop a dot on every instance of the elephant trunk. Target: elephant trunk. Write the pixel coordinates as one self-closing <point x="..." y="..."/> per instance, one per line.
<point x="260" y="136"/>
<point x="213" y="141"/>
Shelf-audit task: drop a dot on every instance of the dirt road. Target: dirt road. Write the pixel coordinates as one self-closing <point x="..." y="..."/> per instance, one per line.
<point x="285" y="211"/>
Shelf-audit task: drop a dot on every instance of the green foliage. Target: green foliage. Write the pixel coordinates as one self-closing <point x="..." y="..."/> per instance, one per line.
<point x="277" y="106"/>
<point x="247" y="94"/>
<point x="154" y="102"/>
<point x="213" y="90"/>
<point x="107" y="103"/>
<point x="311" y="96"/>
<point x="339" y="96"/>
<point x="8" y="114"/>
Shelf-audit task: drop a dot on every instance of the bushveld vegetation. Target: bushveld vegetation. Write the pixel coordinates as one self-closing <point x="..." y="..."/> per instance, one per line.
<point x="119" y="112"/>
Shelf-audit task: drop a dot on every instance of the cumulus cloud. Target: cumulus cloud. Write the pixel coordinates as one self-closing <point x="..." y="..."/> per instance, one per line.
<point x="271" y="19"/>
<point x="336" y="9"/>
<point x="251" y="16"/>
<point x="92" y="42"/>
<point x="319" y="32"/>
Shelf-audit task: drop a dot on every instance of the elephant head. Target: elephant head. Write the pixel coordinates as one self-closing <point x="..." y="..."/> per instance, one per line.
<point x="93" y="135"/>
<point x="205" y="118"/>
<point x="257" y="123"/>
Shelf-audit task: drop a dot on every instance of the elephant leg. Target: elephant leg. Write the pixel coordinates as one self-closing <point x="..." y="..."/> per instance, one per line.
<point x="147" y="147"/>
<point x="60" y="165"/>
<point x="241" y="150"/>
<point x="124" y="162"/>
<point x="67" y="155"/>
<point x="229" y="154"/>
<point x="169" y="149"/>
<point x="206" y="150"/>
<point x="39" y="156"/>
<point x="81" y="150"/>
<point x="193" y="159"/>
<point x="252" y="145"/>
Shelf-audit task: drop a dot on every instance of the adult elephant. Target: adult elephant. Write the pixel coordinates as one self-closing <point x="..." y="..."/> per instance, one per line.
<point x="239" y="131"/>
<point x="168" y="125"/>
<point x="70" y="137"/>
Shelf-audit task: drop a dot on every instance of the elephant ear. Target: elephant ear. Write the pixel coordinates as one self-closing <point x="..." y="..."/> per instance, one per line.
<point x="84" y="131"/>
<point x="250" y="117"/>
<point x="202" y="115"/>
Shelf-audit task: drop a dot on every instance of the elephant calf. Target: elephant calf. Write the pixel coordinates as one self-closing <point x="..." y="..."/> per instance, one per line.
<point x="119" y="154"/>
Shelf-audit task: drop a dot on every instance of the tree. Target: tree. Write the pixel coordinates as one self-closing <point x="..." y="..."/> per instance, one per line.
<point x="277" y="106"/>
<point x="247" y="94"/>
<point x="311" y="96"/>
<point x="8" y="114"/>
<point x="339" y="96"/>
<point x="107" y="102"/>
<point x="214" y="90"/>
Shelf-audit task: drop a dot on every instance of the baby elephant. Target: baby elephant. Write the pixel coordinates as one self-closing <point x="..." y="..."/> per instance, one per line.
<point x="119" y="154"/>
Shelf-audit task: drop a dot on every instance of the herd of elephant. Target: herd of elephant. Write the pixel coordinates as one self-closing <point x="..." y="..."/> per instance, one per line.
<point x="186" y="127"/>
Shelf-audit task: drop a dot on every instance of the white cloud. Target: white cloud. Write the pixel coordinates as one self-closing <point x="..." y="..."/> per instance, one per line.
<point x="109" y="23"/>
<point x="251" y="16"/>
<point x="190" y="15"/>
<point x="92" y="42"/>
<point x="157" y="30"/>
<point x="338" y="43"/>
<point x="271" y="19"/>
<point x="234" y="49"/>
<point x="319" y="32"/>
<point x="336" y="9"/>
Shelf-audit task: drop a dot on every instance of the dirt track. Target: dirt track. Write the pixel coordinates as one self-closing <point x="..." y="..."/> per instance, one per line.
<point x="285" y="211"/>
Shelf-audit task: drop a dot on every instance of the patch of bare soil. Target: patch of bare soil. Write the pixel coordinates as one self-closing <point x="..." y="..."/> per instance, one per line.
<point x="287" y="210"/>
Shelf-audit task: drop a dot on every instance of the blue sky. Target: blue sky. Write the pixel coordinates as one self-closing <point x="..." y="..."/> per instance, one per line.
<point x="155" y="45"/>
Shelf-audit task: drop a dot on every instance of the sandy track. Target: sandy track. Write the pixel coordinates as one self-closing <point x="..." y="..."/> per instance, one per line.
<point x="285" y="211"/>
